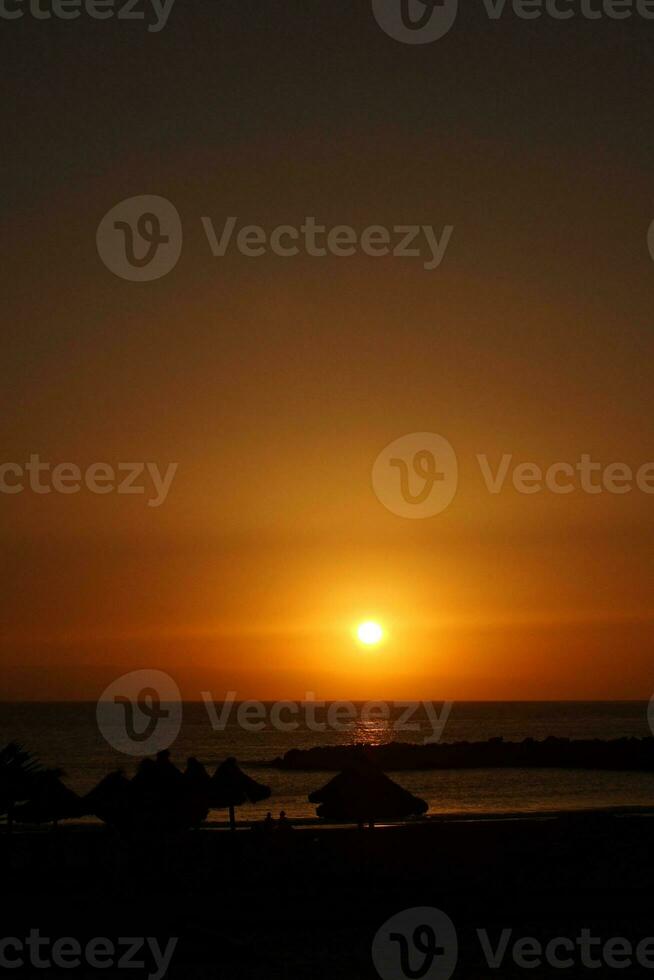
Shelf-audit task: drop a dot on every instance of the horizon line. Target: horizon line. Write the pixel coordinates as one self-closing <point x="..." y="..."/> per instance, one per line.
<point x="244" y="700"/>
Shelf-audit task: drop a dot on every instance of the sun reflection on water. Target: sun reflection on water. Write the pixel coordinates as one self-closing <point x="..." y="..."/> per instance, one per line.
<point x="372" y="731"/>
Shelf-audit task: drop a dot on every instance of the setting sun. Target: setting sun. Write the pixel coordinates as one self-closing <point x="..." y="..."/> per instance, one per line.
<point x="370" y="633"/>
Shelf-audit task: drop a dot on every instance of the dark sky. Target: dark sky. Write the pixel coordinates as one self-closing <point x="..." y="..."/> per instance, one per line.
<point x="274" y="383"/>
<point x="81" y="96"/>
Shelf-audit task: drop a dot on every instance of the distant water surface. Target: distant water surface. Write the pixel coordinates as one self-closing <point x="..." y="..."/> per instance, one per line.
<point x="66" y="735"/>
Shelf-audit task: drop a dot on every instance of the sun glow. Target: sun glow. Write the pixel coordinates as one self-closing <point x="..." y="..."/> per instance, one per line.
<point x="370" y="633"/>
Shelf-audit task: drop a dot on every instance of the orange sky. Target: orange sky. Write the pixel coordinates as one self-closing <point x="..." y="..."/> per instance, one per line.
<point x="274" y="384"/>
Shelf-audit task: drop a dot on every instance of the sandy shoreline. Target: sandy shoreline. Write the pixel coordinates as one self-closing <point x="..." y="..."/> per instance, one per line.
<point x="315" y="824"/>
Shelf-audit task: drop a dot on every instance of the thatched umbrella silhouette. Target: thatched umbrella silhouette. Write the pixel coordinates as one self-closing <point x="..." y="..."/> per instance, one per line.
<point x="159" y="795"/>
<point x="231" y="787"/>
<point x="158" y="778"/>
<point x="110" y="800"/>
<point x="364" y="794"/>
<point x="50" y="801"/>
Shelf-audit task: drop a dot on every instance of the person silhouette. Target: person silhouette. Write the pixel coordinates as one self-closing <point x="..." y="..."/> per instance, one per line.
<point x="269" y="823"/>
<point x="284" y="823"/>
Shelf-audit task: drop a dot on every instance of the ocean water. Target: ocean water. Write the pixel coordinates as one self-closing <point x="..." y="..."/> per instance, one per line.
<point x="67" y="735"/>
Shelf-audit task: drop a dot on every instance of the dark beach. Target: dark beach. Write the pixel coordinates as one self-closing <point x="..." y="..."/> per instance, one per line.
<point x="308" y="904"/>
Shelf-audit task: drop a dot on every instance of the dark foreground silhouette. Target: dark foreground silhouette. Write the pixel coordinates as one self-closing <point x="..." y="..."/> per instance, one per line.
<point x="307" y="904"/>
<point x="158" y="798"/>
<point x="363" y="794"/>
<point x="162" y="798"/>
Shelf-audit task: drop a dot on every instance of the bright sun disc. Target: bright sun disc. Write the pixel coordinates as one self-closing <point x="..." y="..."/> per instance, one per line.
<point x="370" y="633"/>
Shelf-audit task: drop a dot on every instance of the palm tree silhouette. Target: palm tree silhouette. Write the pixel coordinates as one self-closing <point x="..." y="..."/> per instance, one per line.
<point x="19" y="773"/>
